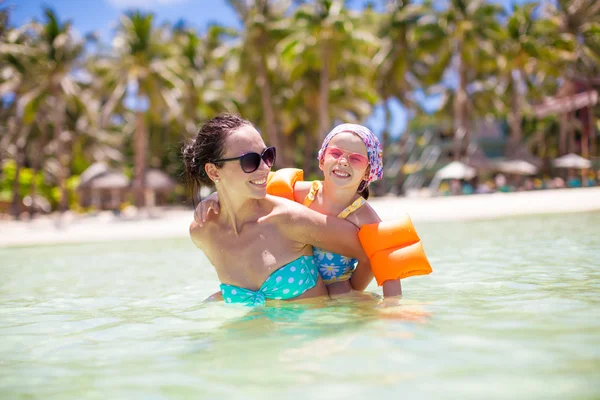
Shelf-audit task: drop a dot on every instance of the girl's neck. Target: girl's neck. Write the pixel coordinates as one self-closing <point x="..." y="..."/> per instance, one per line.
<point x="336" y="198"/>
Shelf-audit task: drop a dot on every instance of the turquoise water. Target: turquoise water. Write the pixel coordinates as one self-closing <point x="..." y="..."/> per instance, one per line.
<point x="512" y="310"/>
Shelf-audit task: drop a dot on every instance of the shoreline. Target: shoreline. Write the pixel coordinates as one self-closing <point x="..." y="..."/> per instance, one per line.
<point x="174" y="223"/>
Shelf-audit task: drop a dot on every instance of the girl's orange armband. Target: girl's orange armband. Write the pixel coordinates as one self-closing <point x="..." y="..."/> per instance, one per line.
<point x="395" y="250"/>
<point x="281" y="182"/>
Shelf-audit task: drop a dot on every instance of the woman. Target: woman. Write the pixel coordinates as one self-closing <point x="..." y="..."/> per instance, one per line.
<point x="351" y="158"/>
<point x="259" y="245"/>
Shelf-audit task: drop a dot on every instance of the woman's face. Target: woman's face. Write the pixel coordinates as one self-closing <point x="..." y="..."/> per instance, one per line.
<point x="244" y="140"/>
<point x="346" y="161"/>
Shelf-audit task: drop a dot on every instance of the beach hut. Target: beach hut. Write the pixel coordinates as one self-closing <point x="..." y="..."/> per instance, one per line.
<point x="158" y="187"/>
<point x="102" y="187"/>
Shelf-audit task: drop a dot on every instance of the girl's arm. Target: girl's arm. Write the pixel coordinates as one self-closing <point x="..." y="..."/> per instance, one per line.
<point x="203" y="209"/>
<point x="301" y="189"/>
<point x="363" y="275"/>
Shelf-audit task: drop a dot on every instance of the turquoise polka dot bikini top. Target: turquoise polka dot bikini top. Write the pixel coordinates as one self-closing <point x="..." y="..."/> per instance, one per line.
<point x="285" y="283"/>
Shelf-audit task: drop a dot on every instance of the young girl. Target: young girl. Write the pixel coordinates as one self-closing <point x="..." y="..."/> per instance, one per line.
<point x="351" y="158"/>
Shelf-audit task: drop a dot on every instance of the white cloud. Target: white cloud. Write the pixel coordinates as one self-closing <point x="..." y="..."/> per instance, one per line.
<point x="124" y="4"/>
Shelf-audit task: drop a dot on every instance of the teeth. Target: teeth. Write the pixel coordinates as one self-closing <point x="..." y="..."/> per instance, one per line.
<point x="341" y="174"/>
<point x="260" y="182"/>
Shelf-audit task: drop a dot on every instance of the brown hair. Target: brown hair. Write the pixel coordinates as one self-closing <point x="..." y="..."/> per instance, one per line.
<point x="364" y="192"/>
<point x="209" y="144"/>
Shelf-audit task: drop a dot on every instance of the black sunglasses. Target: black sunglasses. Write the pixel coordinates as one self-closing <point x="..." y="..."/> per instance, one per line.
<point x="251" y="161"/>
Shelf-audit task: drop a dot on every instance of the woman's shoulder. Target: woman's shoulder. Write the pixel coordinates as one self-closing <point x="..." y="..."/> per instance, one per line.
<point x="289" y="215"/>
<point x="281" y="207"/>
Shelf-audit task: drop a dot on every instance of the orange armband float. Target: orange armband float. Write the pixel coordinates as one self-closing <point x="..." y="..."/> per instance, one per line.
<point x="394" y="249"/>
<point x="281" y="182"/>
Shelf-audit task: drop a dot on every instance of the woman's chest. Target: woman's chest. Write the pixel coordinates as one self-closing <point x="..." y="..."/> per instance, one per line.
<point x="254" y="253"/>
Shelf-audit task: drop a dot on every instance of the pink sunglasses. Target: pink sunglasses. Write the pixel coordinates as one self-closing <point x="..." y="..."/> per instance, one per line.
<point x="357" y="161"/>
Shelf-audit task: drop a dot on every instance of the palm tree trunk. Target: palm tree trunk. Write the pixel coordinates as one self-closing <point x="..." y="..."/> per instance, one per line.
<point x="591" y="125"/>
<point x="324" y="93"/>
<point x="139" y="144"/>
<point x="267" y="105"/>
<point x="16" y="201"/>
<point x="308" y="159"/>
<point x="402" y="158"/>
<point x="37" y="160"/>
<point x="380" y="186"/>
<point x="33" y="192"/>
<point x="35" y="168"/>
<point x="61" y="154"/>
<point x="563" y="135"/>
<point x="460" y="106"/>
<point x="288" y="152"/>
<point x="571" y="133"/>
<point x="515" y="117"/>
<point x="386" y="129"/>
<point x="63" y="205"/>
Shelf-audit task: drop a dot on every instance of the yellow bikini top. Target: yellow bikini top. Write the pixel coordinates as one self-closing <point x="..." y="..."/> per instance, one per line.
<point x="314" y="189"/>
<point x="333" y="267"/>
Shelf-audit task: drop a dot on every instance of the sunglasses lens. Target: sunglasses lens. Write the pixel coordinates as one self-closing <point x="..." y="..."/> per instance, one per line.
<point x="250" y="162"/>
<point x="268" y="156"/>
<point x="358" y="160"/>
<point x="335" y="153"/>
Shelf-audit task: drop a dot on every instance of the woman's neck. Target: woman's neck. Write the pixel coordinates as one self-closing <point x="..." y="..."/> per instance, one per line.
<point x="236" y="211"/>
<point x="335" y="198"/>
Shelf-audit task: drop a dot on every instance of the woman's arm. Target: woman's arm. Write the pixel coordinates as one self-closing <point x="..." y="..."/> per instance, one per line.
<point x="304" y="225"/>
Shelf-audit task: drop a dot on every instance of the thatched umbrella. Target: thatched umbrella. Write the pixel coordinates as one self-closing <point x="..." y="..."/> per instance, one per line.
<point x="517" y="167"/>
<point x="110" y="180"/>
<point x="572" y="160"/>
<point x="455" y="170"/>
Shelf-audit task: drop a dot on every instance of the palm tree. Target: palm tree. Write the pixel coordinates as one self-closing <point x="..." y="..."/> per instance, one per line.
<point x="517" y="61"/>
<point x="253" y="54"/>
<point x="399" y="62"/>
<point x="580" y="21"/>
<point x="14" y="57"/>
<point x="203" y="92"/>
<point x="462" y="36"/>
<point x="327" y="64"/>
<point x="51" y="57"/>
<point x="329" y="38"/>
<point x="141" y="66"/>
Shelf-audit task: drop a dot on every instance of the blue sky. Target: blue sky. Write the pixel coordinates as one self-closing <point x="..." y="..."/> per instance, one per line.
<point x="101" y="16"/>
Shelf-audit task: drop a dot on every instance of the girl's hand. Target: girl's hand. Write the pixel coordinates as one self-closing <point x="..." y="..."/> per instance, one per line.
<point x="390" y="301"/>
<point x="205" y="206"/>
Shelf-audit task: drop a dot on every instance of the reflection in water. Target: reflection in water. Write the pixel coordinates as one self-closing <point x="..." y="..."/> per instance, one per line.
<point x="510" y="311"/>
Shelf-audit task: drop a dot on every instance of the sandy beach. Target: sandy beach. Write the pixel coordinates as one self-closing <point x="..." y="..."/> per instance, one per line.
<point x="173" y="223"/>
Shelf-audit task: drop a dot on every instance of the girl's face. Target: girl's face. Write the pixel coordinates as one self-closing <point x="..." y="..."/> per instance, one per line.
<point x="346" y="161"/>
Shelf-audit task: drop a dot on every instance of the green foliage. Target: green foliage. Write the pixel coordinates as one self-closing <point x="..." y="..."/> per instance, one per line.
<point x="187" y="77"/>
